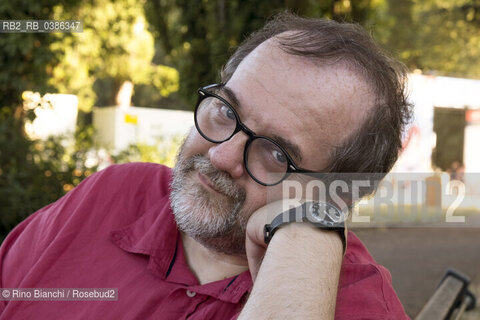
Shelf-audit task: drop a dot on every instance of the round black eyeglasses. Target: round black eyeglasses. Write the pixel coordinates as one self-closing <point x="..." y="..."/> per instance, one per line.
<point x="265" y="159"/>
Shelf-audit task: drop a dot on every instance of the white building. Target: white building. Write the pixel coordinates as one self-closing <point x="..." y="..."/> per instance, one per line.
<point x="428" y="92"/>
<point x="118" y="127"/>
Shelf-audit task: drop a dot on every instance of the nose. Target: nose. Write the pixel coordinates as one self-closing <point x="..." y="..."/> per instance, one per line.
<point x="228" y="156"/>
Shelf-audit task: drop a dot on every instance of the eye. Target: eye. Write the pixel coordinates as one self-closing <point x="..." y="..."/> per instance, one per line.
<point x="279" y="156"/>
<point x="227" y="112"/>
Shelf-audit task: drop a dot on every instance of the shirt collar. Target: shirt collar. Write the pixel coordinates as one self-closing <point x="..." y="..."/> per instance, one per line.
<point x="156" y="235"/>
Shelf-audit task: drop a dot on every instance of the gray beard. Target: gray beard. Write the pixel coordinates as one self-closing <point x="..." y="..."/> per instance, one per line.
<point x="216" y="221"/>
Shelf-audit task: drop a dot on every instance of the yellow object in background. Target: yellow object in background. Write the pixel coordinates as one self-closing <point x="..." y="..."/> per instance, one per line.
<point x="130" y="118"/>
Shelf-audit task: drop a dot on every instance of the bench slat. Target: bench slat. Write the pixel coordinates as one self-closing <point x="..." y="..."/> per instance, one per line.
<point x="440" y="303"/>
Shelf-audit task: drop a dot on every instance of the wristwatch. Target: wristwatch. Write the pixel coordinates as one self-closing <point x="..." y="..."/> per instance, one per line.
<point x="322" y="215"/>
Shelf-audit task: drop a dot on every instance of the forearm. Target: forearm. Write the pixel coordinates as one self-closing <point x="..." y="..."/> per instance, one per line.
<point x="298" y="277"/>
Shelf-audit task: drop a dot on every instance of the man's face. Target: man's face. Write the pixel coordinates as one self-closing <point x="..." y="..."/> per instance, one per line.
<point x="310" y="106"/>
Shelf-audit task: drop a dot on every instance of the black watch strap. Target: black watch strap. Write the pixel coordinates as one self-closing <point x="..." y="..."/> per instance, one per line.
<point x="323" y="215"/>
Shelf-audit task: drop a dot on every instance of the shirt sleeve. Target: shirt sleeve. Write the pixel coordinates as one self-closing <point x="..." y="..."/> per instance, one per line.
<point x="29" y="240"/>
<point x="365" y="289"/>
<point x="369" y="296"/>
<point x="28" y="245"/>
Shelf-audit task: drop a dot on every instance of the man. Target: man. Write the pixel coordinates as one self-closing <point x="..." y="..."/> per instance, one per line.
<point x="299" y="96"/>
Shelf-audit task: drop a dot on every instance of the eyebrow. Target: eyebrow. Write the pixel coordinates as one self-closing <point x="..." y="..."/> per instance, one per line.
<point x="231" y="96"/>
<point x="292" y="149"/>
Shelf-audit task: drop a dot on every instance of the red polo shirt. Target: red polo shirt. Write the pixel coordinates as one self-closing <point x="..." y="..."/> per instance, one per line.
<point x="116" y="230"/>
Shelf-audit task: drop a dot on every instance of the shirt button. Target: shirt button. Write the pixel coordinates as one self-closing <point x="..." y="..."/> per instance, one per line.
<point x="191" y="294"/>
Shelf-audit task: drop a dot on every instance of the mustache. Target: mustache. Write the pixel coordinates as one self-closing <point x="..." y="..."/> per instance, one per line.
<point x="219" y="179"/>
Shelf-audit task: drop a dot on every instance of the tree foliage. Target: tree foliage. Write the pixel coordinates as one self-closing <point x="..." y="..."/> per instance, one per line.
<point x="114" y="45"/>
<point x="196" y="37"/>
<point x="449" y="36"/>
<point x="164" y="151"/>
<point x="36" y="172"/>
<point x="32" y="173"/>
<point x="25" y="62"/>
<point x="436" y="36"/>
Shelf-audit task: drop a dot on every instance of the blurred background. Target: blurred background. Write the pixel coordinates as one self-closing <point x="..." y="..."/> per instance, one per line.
<point x="124" y="90"/>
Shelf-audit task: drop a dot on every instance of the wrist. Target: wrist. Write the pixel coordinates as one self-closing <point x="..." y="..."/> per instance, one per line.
<point x="305" y="237"/>
<point x="322" y="215"/>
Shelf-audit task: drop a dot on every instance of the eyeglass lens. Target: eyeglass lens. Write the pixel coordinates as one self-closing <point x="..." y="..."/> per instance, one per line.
<point x="265" y="161"/>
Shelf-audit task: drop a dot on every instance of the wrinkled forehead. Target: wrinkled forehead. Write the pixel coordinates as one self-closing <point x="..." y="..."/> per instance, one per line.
<point x="315" y="105"/>
<point x="312" y="73"/>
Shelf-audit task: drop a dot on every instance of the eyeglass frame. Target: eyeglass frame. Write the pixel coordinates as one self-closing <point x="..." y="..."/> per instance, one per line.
<point x="240" y="126"/>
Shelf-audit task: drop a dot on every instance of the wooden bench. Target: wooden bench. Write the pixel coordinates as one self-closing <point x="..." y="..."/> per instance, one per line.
<point x="450" y="300"/>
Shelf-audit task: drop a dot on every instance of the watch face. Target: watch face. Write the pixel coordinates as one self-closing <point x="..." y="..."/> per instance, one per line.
<point x="324" y="213"/>
<point x="317" y="212"/>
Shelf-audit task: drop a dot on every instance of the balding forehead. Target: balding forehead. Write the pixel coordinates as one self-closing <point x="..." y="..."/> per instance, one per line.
<point x="316" y="105"/>
<point x="345" y="63"/>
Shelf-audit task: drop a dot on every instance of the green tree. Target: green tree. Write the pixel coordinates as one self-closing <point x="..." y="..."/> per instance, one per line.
<point x="196" y="36"/>
<point x="449" y="36"/>
<point x="436" y="36"/>
<point x="114" y="45"/>
<point x="26" y="62"/>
